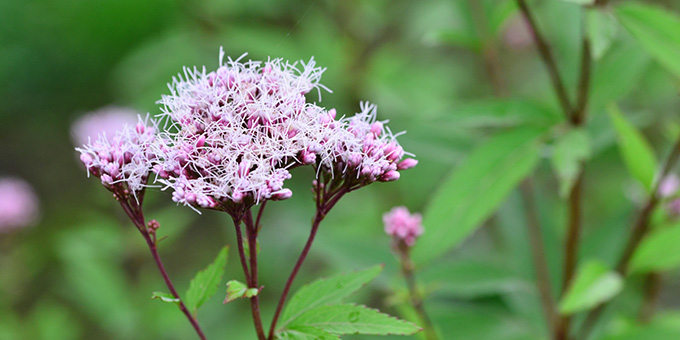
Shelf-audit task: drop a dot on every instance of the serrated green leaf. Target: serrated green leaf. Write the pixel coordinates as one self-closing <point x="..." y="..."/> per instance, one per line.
<point x="601" y="28"/>
<point x="570" y="151"/>
<point x="237" y="290"/>
<point x="306" y="333"/>
<point x="658" y="251"/>
<point x="594" y="283"/>
<point x="354" y="319"/>
<point x="474" y="190"/>
<point x="327" y="291"/>
<point x="206" y="281"/>
<point x="656" y="29"/>
<point x="635" y="150"/>
<point x="165" y="297"/>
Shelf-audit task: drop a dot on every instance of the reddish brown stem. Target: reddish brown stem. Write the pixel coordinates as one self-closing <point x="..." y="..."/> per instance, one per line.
<point x="323" y="206"/>
<point x="138" y="219"/>
<point x="251" y="230"/>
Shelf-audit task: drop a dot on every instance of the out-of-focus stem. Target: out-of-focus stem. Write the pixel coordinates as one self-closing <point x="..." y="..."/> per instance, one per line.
<point x="538" y="255"/>
<point x="651" y="295"/>
<point x="640" y="229"/>
<point x="414" y="296"/>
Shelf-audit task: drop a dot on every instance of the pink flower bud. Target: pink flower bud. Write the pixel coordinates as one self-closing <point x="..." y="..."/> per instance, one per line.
<point x="390" y="176"/>
<point x="402" y="225"/>
<point x="669" y="185"/>
<point x="407" y="164"/>
<point x="376" y="128"/>
<point x="282" y="195"/>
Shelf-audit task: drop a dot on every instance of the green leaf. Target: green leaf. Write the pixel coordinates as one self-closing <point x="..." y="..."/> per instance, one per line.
<point x="493" y="112"/>
<point x="471" y="278"/>
<point x="306" y="333"/>
<point x="601" y="28"/>
<point x="594" y="283"/>
<point x="237" y="290"/>
<point x="327" y="291"/>
<point x="354" y="319"/>
<point x="165" y="297"/>
<point x="581" y="2"/>
<point x="205" y="283"/>
<point x="635" y="150"/>
<point x="570" y="151"/>
<point x="473" y="191"/>
<point x="616" y="74"/>
<point x="658" y="251"/>
<point x="656" y="29"/>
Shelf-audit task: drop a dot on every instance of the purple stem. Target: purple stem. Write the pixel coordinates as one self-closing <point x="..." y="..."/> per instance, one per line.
<point x="137" y="218"/>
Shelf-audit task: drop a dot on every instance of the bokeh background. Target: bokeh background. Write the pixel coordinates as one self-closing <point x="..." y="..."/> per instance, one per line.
<point x="81" y="271"/>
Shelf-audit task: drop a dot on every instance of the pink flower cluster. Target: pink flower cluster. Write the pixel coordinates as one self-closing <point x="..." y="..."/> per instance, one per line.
<point x="122" y="161"/>
<point x="402" y="225"/>
<point x="231" y="136"/>
<point x="18" y="204"/>
<point x="669" y="188"/>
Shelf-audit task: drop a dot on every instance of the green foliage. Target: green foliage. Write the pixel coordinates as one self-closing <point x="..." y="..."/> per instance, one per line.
<point x="206" y="281"/>
<point x="601" y="28"/>
<point x="165" y="297"/>
<point x="656" y="29"/>
<point x="593" y="284"/>
<point x="353" y="319"/>
<point x="327" y="291"/>
<point x="635" y="150"/>
<point x="570" y="152"/>
<point x="658" y="250"/>
<point x="473" y="191"/>
<point x="237" y="290"/>
<point x="316" y="310"/>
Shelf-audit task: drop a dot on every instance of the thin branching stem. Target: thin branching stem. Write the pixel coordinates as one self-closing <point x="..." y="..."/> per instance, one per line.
<point x="251" y="231"/>
<point x="407" y="270"/>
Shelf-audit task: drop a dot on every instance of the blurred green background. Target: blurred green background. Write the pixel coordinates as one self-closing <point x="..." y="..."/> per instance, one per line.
<point x="83" y="272"/>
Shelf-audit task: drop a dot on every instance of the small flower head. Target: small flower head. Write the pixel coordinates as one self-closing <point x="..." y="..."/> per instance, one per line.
<point x="122" y="161"/>
<point x="233" y="134"/>
<point x="363" y="149"/>
<point x="105" y="121"/>
<point x="402" y="225"/>
<point x="669" y="186"/>
<point x="18" y="204"/>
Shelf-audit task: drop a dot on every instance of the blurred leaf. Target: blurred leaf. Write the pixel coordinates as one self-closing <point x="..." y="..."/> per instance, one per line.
<point x="206" y="281"/>
<point x="601" y="28"/>
<point x="656" y="29"/>
<point x="500" y="11"/>
<point x="616" y="74"/>
<point x="353" y="319"/>
<point x="327" y="291"/>
<point x="593" y="284"/>
<point x="237" y="290"/>
<point x="456" y="38"/>
<point x="570" y="151"/>
<point x="51" y="321"/>
<point x="473" y="191"/>
<point x="471" y="278"/>
<point x="581" y="2"/>
<point x="635" y="150"/>
<point x="165" y="297"/>
<point x="658" y="250"/>
<point x="306" y="333"/>
<point x="493" y="112"/>
<point x="665" y="325"/>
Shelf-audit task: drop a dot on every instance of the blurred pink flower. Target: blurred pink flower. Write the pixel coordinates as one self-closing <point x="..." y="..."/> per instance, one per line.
<point x="674" y="208"/>
<point x="18" y="204"/>
<point x="669" y="185"/>
<point x="105" y="121"/>
<point x="517" y="34"/>
<point x="402" y="225"/>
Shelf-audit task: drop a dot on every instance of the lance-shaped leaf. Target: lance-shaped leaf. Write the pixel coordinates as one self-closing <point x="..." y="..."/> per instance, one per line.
<point x="306" y="333"/>
<point x="206" y="282"/>
<point x="656" y="29"/>
<point x="594" y="283"/>
<point x="165" y="297"/>
<point x="601" y="28"/>
<point x="327" y="291"/>
<point x="658" y="251"/>
<point x="353" y="319"/>
<point x="570" y="151"/>
<point x="635" y="150"/>
<point x="474" y="190"/>
<point x="237" y="290"/>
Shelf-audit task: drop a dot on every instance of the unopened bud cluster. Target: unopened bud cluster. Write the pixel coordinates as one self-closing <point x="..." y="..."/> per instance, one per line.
<point x="402" y="225"/>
